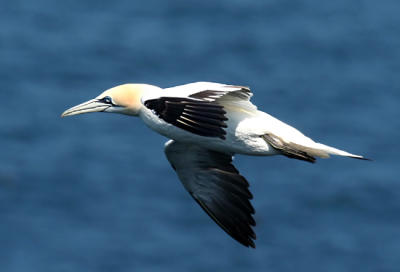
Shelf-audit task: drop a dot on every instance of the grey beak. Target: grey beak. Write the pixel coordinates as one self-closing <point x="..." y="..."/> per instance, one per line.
<point x="93" y="105"/>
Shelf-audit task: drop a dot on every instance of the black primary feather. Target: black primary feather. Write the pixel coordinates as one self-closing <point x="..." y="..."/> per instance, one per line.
<point x="199" y="117"/>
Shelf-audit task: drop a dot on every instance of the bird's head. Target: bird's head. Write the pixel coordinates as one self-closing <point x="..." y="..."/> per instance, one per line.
<point x="124" y="99"/>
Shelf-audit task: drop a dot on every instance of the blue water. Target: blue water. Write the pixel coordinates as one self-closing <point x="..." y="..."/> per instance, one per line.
<point x="95" y="192"/>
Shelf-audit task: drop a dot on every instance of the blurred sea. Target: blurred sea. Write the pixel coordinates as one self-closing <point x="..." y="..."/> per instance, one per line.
<point x="95" y="192"/>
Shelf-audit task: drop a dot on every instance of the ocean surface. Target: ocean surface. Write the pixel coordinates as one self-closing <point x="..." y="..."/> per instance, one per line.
<point x="96" y="193"/>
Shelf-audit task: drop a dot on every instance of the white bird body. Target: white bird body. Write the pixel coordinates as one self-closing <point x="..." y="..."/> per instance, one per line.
<point x="239" y="139"/>
<point x="245" y="124"/>
<point x="209" y="123"/>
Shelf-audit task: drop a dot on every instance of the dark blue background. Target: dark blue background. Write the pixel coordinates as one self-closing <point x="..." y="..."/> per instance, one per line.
<point x="95" y="192"/>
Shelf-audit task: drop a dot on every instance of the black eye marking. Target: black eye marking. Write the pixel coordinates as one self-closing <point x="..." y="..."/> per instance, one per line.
<point x="106" y="100"/>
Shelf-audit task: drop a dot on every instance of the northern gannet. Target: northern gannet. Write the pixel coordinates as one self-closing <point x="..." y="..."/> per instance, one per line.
<point x="208" y="123"/>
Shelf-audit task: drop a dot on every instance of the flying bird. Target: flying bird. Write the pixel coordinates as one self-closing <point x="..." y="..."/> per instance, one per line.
<point x="207" y="124"/>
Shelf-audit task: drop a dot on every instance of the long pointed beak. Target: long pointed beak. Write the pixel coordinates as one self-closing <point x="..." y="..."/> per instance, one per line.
<point x="93" y="105"/>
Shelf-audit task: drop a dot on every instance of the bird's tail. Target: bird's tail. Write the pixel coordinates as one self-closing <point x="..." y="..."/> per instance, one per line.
<point x="308" y="150"/>
<point x="335" y="151"/>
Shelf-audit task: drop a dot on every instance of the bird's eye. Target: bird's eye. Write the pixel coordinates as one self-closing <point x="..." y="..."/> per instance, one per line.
<point x="106" y="100"/>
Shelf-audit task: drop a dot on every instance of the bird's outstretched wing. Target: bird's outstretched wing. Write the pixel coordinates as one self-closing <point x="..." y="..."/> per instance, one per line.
<point x="217" y="187"/>
<point x="198" y="117"/>
<point x="199" y="107"/>
<point x="209" y="91"/>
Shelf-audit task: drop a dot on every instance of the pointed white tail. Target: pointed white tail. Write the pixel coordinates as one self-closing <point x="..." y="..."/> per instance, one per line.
<point x="335" y="151"/>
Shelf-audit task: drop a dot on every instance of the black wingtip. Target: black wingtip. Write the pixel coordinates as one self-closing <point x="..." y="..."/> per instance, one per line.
<point x="252" y="244"/>
<point x="249" y="242"/>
